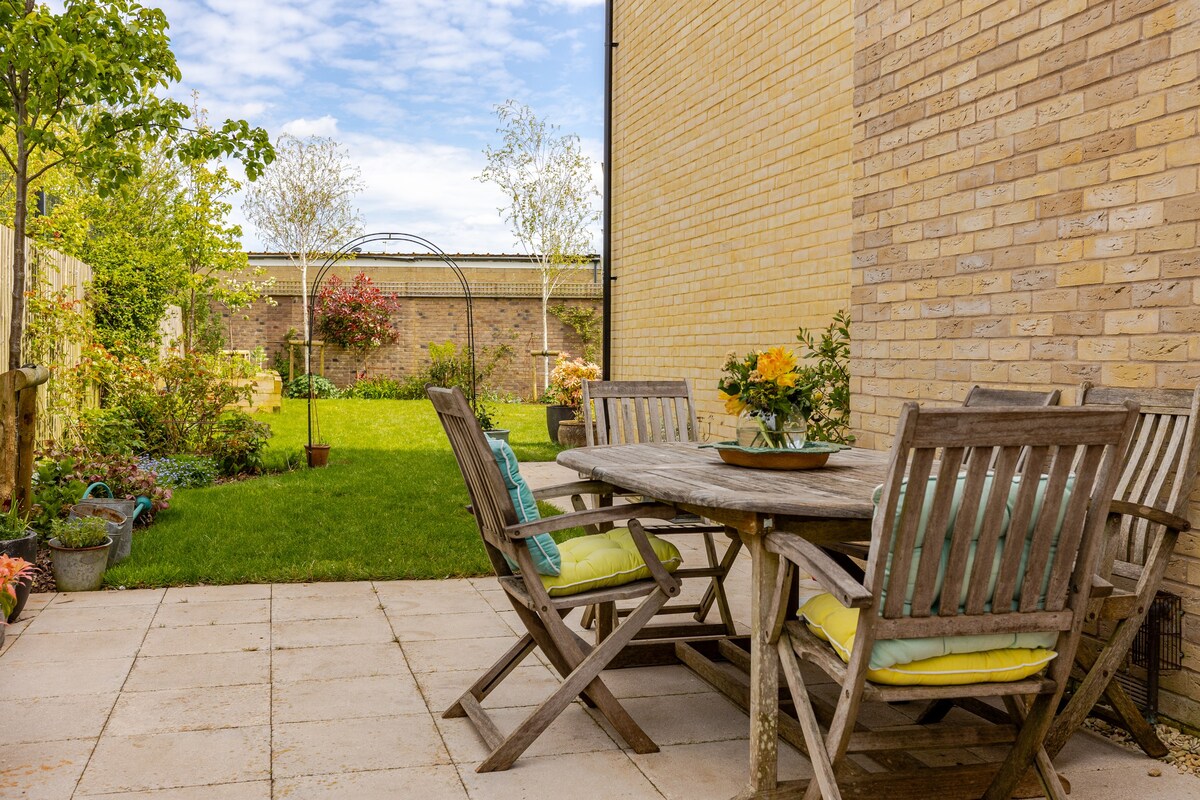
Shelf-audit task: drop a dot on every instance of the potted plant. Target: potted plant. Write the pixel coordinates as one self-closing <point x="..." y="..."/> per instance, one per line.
<point x="317" y="450"/>
<point x="18" y="541"/>
<point x="79" y="553"/>
<point x="14" y="573"/>
<point x="772" y="396"/>
<point x="566" y="387"/>
<point x="488" y="422"/>
<point x="119" y="526"/>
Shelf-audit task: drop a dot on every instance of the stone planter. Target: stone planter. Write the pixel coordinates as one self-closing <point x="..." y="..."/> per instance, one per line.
<point x="26" y="548"/>
<point x="79" y="570"/>
<point x="497" y="433"/>
<point x="120" y="524"/>
<point x="555" y="415"/>
<point x="571" y="433"/>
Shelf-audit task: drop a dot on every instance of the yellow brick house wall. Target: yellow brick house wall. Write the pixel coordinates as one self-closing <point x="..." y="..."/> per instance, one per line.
<point x="731" y="178"/>
<point x="1025" y="212"/>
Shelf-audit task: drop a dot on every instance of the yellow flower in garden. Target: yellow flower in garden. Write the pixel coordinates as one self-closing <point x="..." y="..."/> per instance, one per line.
<point x="733" y="403"/>
<point x="776" y="362"/>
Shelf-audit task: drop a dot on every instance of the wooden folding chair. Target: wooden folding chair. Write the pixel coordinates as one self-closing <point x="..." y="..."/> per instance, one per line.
<point x="1146" y="519"/>
<point x="578" y="662"/>
<point x="921" y="580"/>
<point x="987" y="397"/>
<point x="636" y="412"/>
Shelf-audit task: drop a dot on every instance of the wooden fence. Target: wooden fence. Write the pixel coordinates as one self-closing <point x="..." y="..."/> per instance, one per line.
<point x="54" y="272"/>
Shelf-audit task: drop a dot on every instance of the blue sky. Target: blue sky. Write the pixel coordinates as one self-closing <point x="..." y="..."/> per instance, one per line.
<point x="408" y="86"/>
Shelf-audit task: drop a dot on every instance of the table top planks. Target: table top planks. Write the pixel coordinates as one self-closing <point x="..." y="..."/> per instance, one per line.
<point x="687" y="475"/>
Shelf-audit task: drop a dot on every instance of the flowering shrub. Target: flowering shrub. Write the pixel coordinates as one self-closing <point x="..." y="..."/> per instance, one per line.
<point x="11" y="571"/>
<point x="322" y="388"/>
<point x="356" y="316"/>
<point x="237" y="448"/>
<point x="181" y="472"/>
<point x="566" y="382"/>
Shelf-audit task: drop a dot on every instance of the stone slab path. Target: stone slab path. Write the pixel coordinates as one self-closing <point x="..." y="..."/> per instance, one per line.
<point x="314" y="691"/>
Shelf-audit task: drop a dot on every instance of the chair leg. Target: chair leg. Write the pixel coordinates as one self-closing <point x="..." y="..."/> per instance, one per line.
<point x="492" y="678"/>
<point x="823" y="776"/>
<point x="585" y="675"/>
<point x="1099" y="667"/>
<point x="935" y="711"/>
<point x="589" y="618"/>
<point x="716" y="588"/>
<point x="1041" y="762"/>
<point x="1024" y="752"/>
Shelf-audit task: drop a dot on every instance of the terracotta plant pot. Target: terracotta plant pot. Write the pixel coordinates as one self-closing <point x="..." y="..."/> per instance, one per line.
<point x="318" y="454"/>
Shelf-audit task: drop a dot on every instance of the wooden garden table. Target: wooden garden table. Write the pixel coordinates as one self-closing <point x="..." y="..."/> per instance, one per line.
<point x="823" y="505"/>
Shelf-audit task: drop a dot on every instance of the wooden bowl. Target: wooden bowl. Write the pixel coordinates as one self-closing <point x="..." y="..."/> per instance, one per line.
<point x="809" y="457"/>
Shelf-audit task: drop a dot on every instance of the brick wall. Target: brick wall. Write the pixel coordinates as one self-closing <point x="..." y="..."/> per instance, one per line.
<point x="1025" y="211"/>
<point x="731" y="182"/>
<point x="516" y="321"/>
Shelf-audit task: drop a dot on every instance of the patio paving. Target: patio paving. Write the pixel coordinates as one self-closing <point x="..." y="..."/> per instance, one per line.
<point x="335" y="691"/>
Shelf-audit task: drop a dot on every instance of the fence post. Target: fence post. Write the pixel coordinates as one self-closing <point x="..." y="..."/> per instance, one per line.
<point x="18" y="433"/>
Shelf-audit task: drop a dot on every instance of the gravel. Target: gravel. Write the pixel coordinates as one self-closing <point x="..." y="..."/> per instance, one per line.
<point x="1185" y="748"/>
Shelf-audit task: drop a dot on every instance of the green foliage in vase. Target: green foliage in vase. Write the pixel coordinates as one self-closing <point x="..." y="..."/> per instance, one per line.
<point x="829" y="354"/>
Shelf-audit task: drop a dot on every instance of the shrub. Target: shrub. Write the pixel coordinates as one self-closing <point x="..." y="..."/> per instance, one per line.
<point x="57" y="485"/>
<point x="322" y="388"/>
<point x="377" y="388"/>
<point x="110" y="430"/>
<point x="830" y="418"/>
<point x="450" y="367"/>
<point x="182" y="471"/>
<point x="356" y="316"/>
<point x="566" y="382"/>
<point x="238" y="443"/>
<point x="80" y="533"/>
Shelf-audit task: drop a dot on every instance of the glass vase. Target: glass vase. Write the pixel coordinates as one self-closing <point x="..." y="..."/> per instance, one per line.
<point x="756" y="429"/>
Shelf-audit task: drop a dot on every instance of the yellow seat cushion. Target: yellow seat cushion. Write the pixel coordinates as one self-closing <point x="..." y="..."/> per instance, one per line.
<point x="933" y="661"/>
<point x="605" y="560"/>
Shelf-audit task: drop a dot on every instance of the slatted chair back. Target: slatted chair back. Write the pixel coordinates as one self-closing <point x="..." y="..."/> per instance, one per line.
<point x="984" y="396"/>
<point x="923" y="571"/>
<point x="490" y="501"/>
<point x="1160" y="470"/>
<point x="639" y="412"/>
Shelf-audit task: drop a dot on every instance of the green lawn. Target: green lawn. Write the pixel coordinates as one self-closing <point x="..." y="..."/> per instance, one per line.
<point x="389" y="505"/>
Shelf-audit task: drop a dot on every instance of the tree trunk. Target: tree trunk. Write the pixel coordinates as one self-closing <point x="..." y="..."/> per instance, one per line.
<point x="545" y="330"/>
<point x="304" y="312"/>
<point x="16" y="328"/>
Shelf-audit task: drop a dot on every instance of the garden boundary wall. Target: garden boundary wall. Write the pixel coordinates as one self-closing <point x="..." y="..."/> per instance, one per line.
<point x="430" y="311"/>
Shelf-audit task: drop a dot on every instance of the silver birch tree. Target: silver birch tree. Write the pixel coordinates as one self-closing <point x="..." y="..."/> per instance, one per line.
<point x="303" y="205"/>
<point x="548" y="187"/>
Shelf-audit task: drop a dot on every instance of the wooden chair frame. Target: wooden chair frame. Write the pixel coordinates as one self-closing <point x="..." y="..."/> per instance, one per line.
<point x="1144" y="524"/>
<point x="578" y="662"/>
<point x="1056" y="442"/>
<point x="988" y="397"/>
<point x="635" y="412"/>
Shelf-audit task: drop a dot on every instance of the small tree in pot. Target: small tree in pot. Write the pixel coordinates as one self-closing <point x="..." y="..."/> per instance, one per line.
<point x="566" y="388"/>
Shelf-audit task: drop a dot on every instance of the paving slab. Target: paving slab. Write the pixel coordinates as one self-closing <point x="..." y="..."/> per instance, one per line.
<point x="312" y="691"/>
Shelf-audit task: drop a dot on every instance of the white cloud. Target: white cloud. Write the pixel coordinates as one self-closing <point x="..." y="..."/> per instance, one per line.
<point x="301" y="128"/>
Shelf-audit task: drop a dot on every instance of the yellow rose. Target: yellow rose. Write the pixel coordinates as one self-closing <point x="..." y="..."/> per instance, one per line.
<point x="776" y="362"/>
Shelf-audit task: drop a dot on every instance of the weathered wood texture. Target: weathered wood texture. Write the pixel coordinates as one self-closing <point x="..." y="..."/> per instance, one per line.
<point x="1041" y="448"/>
<point x="578" y="662"/>
<point x="50" y="272"/>
<point x="18" y="433"/>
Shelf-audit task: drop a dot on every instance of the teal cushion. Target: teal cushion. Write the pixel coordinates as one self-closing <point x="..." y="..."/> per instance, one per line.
<point x="944" y="536"/>
<point x="546" y="558"/>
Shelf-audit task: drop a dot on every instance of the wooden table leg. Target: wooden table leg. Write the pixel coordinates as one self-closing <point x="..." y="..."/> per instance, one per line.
<point x="764" y="672"/>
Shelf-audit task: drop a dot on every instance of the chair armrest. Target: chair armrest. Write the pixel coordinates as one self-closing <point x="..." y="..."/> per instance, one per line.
<point x="594" y="516"/>
<point x="828" y="572"/>
<point x="1150" y="513"/>
<point x="1100" y="588"/>
<point x="574" y="487"/>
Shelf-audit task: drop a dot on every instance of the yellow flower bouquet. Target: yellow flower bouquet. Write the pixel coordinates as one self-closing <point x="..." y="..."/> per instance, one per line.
<point x="772" y="393"/>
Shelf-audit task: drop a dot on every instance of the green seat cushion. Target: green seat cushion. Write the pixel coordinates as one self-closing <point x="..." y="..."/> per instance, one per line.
<point x="546" y="558"/>
<point x="605" y="560"/>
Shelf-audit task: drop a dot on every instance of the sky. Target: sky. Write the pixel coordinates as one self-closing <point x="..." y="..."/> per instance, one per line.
<point x="407" y="86"/>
